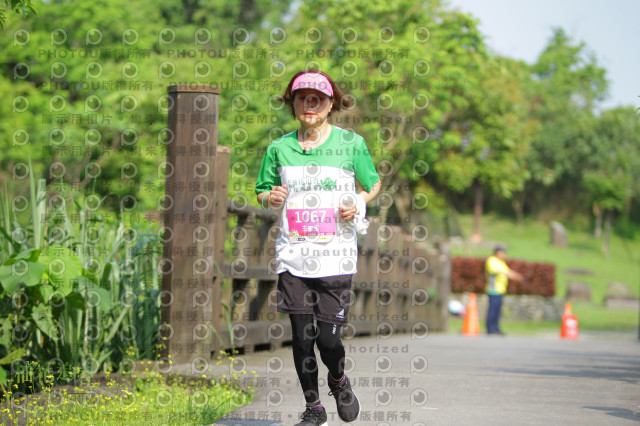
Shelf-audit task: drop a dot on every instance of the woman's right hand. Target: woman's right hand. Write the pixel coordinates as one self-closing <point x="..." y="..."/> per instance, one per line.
<point x="277" y="196"/>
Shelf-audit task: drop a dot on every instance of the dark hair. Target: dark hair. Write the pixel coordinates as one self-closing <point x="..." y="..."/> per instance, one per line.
<point x="340" y="101"/>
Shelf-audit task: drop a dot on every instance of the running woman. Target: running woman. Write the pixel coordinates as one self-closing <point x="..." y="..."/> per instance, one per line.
<point x="311" y="175"/>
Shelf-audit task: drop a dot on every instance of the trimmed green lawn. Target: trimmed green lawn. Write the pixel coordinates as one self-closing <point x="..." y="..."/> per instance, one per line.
<point x="530" y="242"/>
<point x="595" y="318"/>
<point x="600" y="318"/>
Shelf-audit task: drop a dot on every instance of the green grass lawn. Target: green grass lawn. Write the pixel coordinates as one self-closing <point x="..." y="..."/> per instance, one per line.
<point x="530" y="242"/>
<point x="151" y="398"/>
<point x="591" y="318"/>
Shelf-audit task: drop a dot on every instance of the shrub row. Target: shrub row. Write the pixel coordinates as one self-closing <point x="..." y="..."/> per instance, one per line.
<point x="467" y="275"/>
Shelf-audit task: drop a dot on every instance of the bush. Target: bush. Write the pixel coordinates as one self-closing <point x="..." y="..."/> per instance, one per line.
<point x="626" y="228"/>
<point x="81" y="292"/>
<point x="467" y="275"/>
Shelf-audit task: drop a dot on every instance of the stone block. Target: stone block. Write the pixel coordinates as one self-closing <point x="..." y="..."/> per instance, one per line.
<point x="619" y="291"/>
<point x="520" y="307"/>
<point x="619" y="296"/>
<point x="558" y="235"/>
<point x="622" y="303"/>
<point x="578" y="291"/>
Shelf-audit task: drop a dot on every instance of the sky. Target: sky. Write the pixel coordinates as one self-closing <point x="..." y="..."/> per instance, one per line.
<point x="520" y="29"/>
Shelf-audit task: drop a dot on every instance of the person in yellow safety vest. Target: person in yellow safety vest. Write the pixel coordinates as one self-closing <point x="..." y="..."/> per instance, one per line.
<point x="497" y="274"/>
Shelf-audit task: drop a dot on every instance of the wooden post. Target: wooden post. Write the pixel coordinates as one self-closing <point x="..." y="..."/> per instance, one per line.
<point x="220" y="228"/>
<point x="189" y="215"/>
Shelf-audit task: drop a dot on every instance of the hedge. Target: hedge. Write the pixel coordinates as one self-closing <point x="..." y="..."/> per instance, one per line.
<point x="467" y="275"/>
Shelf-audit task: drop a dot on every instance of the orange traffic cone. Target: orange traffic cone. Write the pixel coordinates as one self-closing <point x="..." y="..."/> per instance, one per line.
<point x="569" y="329"/>
<point x="471" y="324"/>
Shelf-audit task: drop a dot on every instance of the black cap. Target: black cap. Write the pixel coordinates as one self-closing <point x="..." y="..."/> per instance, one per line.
<point x="499" y="248"/>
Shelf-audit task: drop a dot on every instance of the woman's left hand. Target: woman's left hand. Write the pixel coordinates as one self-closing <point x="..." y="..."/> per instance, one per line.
<point x="348" y="213"/>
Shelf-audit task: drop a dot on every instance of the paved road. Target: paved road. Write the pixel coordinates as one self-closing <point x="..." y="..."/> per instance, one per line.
<point x="457" y="380"/>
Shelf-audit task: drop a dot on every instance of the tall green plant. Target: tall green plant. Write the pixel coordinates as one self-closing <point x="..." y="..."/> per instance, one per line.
<point x="80" y="293"/>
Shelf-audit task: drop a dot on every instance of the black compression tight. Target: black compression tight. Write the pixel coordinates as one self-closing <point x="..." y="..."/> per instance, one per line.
<point x="327" y="336"/>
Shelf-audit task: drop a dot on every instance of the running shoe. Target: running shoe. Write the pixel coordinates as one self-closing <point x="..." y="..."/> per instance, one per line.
<point x="346" y="400"/>
<point x="313" y="416"/>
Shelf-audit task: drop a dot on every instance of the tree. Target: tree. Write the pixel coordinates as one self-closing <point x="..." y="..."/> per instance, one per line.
<point x="73" y="122"/>
<point x="411" y="76"/>
<point x="612" y="175"/>
<point x="504" y="130"/>
<point x="570" y="83"/>
<point x="25" y="7"/>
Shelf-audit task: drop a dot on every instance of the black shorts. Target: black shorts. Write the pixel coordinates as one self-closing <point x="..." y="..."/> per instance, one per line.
<point x="327" y="298"/>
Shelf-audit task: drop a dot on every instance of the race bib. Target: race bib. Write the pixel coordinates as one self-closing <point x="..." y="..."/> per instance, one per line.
<point x="317" y="225"/>
<point x="311" y="224"/>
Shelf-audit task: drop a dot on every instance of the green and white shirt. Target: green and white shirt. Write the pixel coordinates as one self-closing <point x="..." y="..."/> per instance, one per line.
<point x="313" y="240"/>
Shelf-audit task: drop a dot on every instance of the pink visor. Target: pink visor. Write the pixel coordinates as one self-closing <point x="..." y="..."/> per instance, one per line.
<point x="312" y="80"/>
